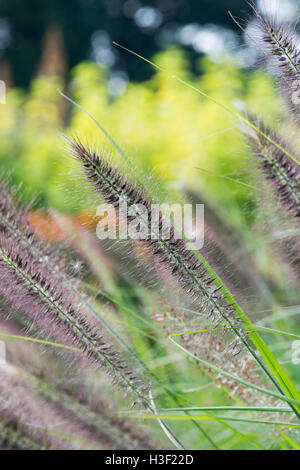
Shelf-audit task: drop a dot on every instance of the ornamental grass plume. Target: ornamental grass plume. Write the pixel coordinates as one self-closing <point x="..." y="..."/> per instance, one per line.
<point x="278" y="168"/>
<point x="89" y="407"/>
<point x="226" y="249"/>
<point x="49" y="304"/>
<point x="29" y="420"/>
<point x="34" y="284"/>
<point x="37" y="289"/>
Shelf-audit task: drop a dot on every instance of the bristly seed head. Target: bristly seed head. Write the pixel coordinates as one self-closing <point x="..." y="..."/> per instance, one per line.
<point x="49" y="303"/>
<point x="172" y="252"/>
<point x="279" y="169"/>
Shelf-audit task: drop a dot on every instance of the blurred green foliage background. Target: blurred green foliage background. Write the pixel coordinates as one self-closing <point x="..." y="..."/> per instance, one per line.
<point x="165" y="127"/>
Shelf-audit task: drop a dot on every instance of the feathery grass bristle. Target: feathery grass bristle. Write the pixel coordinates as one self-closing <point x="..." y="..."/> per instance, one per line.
<point x="278" y="167"/>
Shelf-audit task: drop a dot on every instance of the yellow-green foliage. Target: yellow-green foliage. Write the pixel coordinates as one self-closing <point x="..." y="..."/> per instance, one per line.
<point x="164" y="126"/>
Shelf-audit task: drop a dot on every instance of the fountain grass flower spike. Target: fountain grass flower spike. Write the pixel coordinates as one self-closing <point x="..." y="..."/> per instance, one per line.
<point x="280" y="170"/>
<point x="50" y="305"/>
<point x="195" y="275"/>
